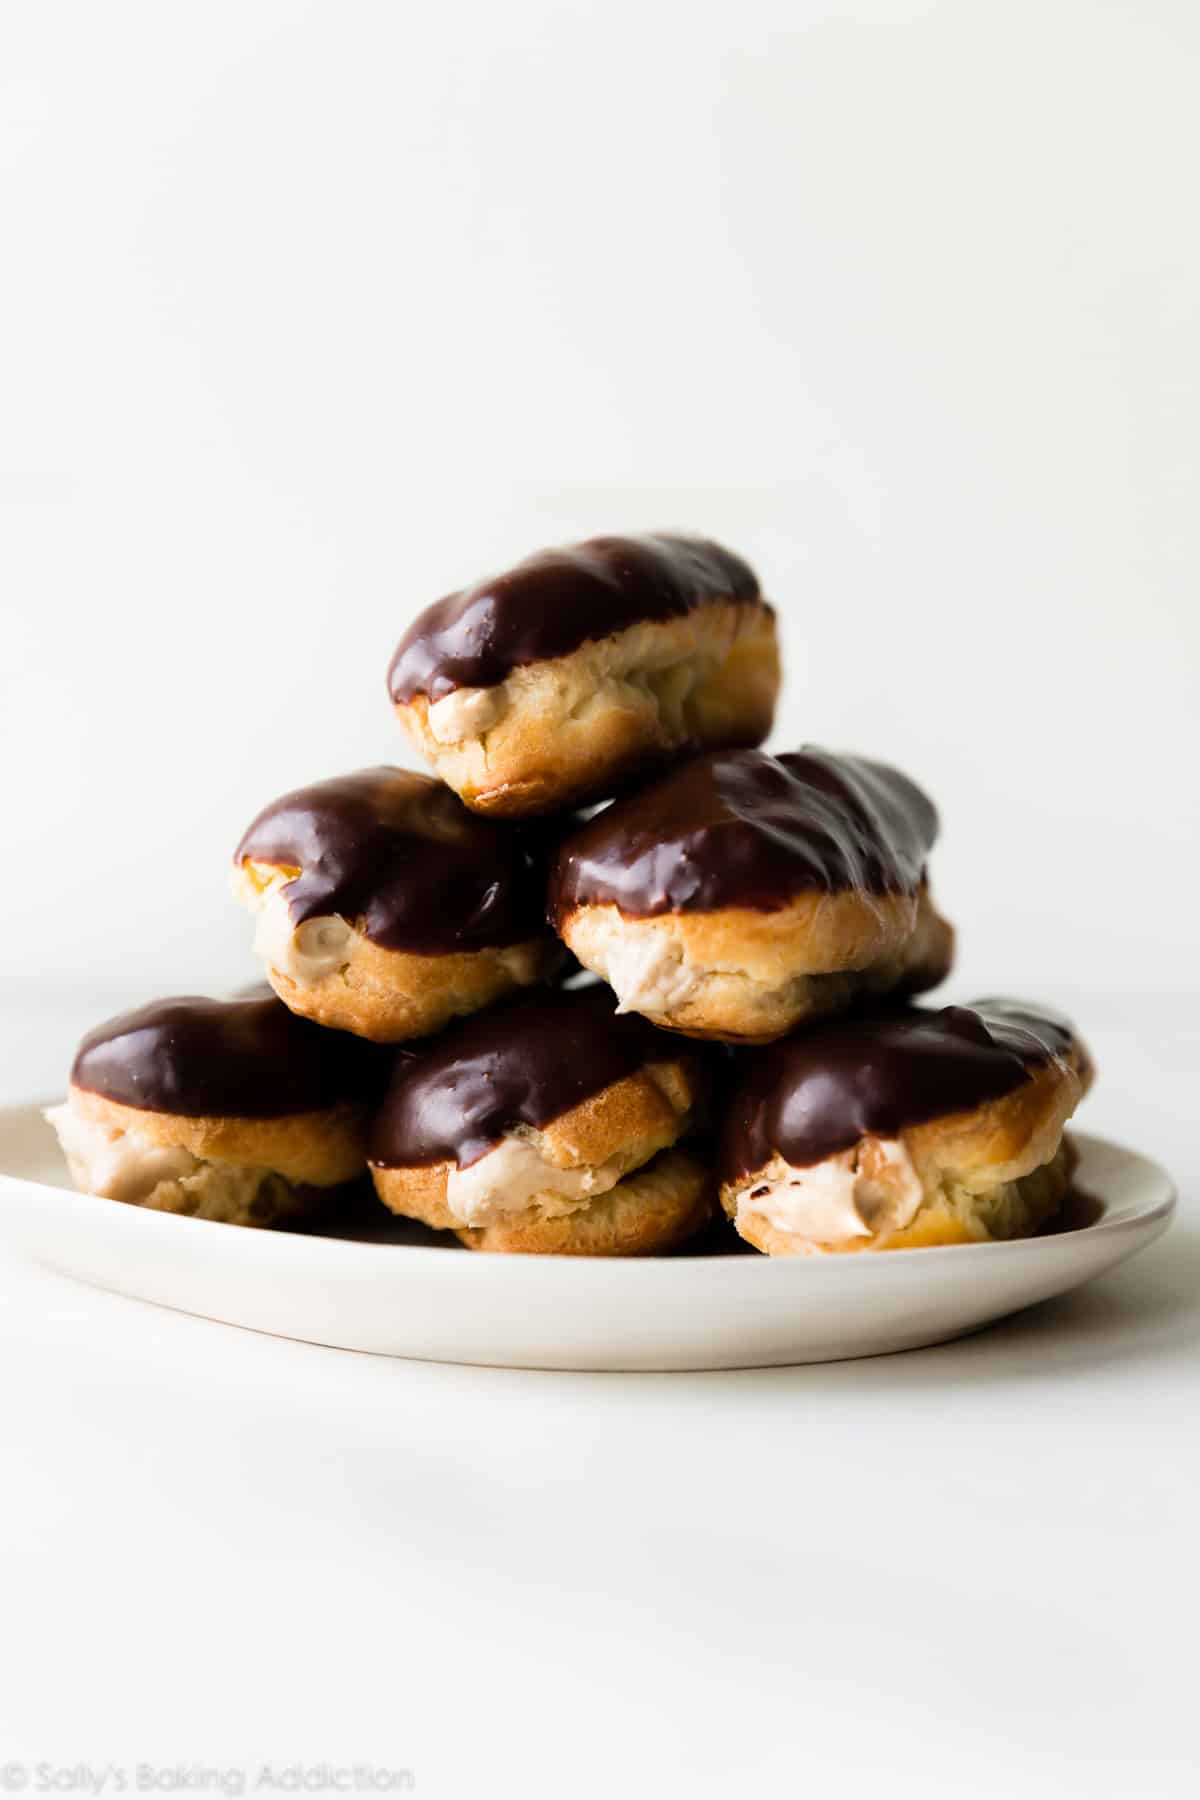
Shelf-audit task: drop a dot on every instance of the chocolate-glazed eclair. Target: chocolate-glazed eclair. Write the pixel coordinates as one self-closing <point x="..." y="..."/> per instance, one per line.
<point x="906" y="1128"/>
<point x="582" y="668"/>
<point x="547" y="1124"/>
<point x="221" y="1109"/>
<point x="385" y="908"/>
<point x="744" y="892"/>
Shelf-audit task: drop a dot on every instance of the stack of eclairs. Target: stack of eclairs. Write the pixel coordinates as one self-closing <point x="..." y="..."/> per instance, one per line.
<point x="610" y="976"/>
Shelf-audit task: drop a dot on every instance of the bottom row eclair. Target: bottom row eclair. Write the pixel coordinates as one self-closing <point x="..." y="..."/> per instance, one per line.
<point x="554" y="1124"/>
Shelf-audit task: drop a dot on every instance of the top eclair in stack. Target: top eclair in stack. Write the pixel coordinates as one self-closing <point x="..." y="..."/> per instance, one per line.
<point x="722" y="893"/>
<point x="582" y="668"/>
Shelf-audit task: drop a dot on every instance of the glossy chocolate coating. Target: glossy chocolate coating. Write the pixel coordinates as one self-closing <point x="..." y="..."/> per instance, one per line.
<point x="876" y="1074"/>
<point x="742" y="828"/>
<point x="524" y="1062"/>
<point x="556" y="600"/>
<point x="248" y="1058"/>
<point x="402" y="854"/>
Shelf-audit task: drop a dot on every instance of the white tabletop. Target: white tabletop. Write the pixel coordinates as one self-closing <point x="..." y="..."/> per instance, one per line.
<point x="969" y="1570"/>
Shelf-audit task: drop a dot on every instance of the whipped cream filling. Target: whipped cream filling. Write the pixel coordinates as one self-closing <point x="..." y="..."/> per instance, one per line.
<point x="521" y="962"/>
<point x="647" y="972"/>
<point x="511" y="1177"/>
<point x="467" y="712"/>
<point x="864" y="1192"/>
<point x="117" y="1164"/>
<point x="305" y="953"/>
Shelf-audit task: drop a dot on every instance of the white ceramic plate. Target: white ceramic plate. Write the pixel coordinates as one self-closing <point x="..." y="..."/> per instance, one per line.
<point x="395" y="1289"/>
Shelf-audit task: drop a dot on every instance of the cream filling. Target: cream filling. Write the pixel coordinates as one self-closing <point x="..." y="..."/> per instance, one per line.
<point x="521" y="962"/>
<point x="305" y="953"/>
<point x="648" y="973"/>
<point x="511" y="1177"/>
<point x="115" y="1163"/>
<point x="867" y="1191"/>
<point x="467" y="712"/>
<point x="119" y="1163"/>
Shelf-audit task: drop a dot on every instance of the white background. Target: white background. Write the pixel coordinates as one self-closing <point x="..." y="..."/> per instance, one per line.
<point x="310" y="313"/>
<point x="313" y="313"/>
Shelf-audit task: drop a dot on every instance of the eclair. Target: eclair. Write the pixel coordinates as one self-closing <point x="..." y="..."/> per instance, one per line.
<point x="903" y="1129"/>
<point x="744" y="893"/>
<point x="547" y="1124"/>
<point x="580" y="669"/>
<point x="233" y="1110"/>
<point x="385" y="908"/>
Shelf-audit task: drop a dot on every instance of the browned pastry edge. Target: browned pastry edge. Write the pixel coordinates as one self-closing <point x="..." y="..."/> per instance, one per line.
<point x="653" y="1210"/>
<point x="317" y="1149"/>
<point x="567" y="729"/>
<point x="1005" y="1163"/>
<point x="390" y="996"/>
<point x="625" y="1124"/>
<point x="749" y="977"/>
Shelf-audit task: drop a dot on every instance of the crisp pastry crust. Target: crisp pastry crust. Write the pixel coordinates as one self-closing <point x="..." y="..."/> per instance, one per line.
<point x="352" y="984"/>
<point x="951" y="1214"/>
<point x="586" y="1150"/>
<point x="563" y="730"/>
<point x="239" y="1171"/>
<point x="750" y="976"/>
<point x="652" y="1211"/>
<point x="996" y="1171"/>
<point x="318" y="1149"/>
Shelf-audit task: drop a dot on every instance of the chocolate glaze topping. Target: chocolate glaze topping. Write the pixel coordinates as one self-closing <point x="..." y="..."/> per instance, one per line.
<point x="401" y="853"/>
<point x="556" y="600"/>
<point x="742" y="828"/>
<point x="524" y="1062"/>
<point x="813" y="1095"/>
<point x="248" y="1058"/>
